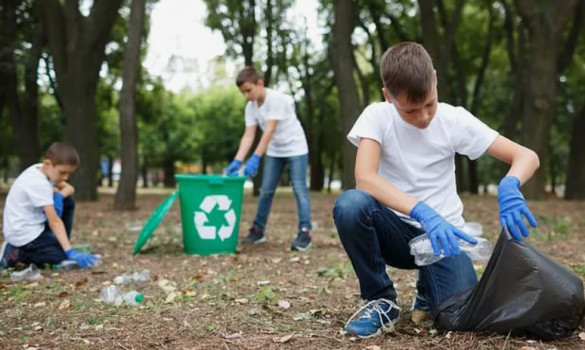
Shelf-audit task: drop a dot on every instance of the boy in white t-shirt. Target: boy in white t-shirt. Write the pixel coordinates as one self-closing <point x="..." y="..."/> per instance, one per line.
<point x="405" y="187"/>
<point x="38" y="214"/>
<point x="284" y="142"/>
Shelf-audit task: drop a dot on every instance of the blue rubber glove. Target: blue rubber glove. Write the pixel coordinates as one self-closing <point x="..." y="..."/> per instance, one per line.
<point x="83" y="259"/>
<point x="252" y="165"/>
<point x="439" y="230"/>
<point x="512" y="207"/>
<point x="233" y="168"/>
<point x="58" y="203"/>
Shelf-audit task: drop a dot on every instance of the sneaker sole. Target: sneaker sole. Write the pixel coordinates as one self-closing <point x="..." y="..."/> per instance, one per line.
<point x="261" y="240"/>
<point x="300" y="249"/>
<point x="389" y="324"/>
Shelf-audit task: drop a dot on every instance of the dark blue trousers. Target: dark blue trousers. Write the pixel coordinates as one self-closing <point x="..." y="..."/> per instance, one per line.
<point x="45" y="249"/>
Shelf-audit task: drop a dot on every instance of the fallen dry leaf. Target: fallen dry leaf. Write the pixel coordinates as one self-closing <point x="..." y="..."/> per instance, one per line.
<point x="65" y="304"/>
<point x="286" y="338"/>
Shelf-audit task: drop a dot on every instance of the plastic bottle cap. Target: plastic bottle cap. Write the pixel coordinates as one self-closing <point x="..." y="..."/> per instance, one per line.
<point x="139" y="297"/>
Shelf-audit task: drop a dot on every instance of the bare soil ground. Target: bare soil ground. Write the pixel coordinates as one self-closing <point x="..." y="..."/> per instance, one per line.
<point x="263" y="297"/>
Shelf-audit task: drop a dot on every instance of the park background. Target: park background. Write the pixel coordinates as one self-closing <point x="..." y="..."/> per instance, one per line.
<point x="80" y="71"/>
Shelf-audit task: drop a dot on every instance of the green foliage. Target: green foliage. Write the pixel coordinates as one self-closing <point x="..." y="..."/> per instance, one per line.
<point x="266" y="294"/>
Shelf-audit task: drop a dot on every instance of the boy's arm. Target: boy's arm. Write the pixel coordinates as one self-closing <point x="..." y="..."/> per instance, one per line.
<point x="266" y="136"/>
<point x="253" y="162"/>
<point x="56" y="224"/>
<point x="368" y="180"/>
<point x="513" y="207"/>
<point x="246" y="142"/>
<point x="523" y="161"/>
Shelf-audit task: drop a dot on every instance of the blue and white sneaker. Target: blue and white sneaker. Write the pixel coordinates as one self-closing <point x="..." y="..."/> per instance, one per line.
<point x="303" y="241"/>
<point x="374" y="317"/>
<point x="255" y="236"/>
<point x="8" y="255"/>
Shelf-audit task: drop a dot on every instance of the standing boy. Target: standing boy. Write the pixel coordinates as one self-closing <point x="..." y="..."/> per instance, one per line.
<point x="38" y="214"/>
<point x="284" y="142"/>
<point x="405" y="179"/>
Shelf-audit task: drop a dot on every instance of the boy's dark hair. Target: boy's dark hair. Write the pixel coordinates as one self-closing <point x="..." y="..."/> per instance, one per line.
<point x="248" y="75"/>
<point x="62" y="153"/>
<point x="408" y="67"/>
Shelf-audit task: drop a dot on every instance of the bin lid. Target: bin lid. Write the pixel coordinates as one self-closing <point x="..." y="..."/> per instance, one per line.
<point x="153" y="221"/>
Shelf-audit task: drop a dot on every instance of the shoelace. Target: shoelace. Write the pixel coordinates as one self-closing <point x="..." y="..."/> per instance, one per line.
<point x="376" y="307"/>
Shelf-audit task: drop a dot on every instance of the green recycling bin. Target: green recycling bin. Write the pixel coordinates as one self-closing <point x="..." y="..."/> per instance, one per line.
<point x="210" y="212"/>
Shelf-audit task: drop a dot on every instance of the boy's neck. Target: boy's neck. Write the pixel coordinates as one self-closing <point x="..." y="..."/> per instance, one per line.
<point x="260" y="100"/>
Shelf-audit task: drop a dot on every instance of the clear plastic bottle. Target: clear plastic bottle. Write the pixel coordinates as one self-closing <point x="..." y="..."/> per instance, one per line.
<point x="137" y="278"/>
<point x="31" y="273"/>
<point x="422" y="250"/>
<point x="113" y="295"/>
<point x="133" y="298"/>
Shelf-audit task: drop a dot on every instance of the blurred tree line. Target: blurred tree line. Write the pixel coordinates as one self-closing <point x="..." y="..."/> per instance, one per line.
<point x="72" y="70"/>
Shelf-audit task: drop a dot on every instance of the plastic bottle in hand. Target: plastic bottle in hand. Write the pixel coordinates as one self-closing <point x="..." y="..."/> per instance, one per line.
<point x="422" y="250"/>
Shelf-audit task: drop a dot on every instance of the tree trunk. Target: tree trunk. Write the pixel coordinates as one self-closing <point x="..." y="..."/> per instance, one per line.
<point x="77" y="44"/>
<point x="23" y="109"/>
<point x="546" y="21"/>
<point x="126" y="193"/>
<point x="144" y="174"/>
<point x="575" y="188"/>
<point x="169" y="173"/>
<point x="341" y="56"/>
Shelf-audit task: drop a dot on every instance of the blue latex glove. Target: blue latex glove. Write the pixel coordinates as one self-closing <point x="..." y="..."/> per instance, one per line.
<point x="439" y="230"/>
<point x="83" y="259"/>
<point x="512" y="207"/>
<point x="233" y="168"/>
<point x="252" y="165"/>
<point x="58" y="203"/>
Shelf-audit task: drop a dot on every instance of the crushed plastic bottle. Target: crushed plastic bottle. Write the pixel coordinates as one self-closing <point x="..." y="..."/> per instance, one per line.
<point x="473" y="228"/>
<point x="31" y="273"/>
<point x="113" y="295"/>
<point x="422" y="250"/>
<point x="136" y="277"/>
<point x="74" y="265"/>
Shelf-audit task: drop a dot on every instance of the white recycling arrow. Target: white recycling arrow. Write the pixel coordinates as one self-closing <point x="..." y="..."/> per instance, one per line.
<point x="207" y="205"/>
<point x="226" y="231"/>
<point x="205" y="232"/>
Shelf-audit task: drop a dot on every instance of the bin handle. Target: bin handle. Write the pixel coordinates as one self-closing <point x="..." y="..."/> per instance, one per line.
<point x="216" y="181"/>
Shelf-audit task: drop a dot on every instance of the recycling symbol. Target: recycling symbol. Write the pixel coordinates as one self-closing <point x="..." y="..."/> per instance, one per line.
<point x="207" y="206"/>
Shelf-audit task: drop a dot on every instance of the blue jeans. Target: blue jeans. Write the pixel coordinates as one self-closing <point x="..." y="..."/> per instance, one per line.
<point x="273" y="167"/>
<point x="45" y="249"/>
<point x="374" y="236"/>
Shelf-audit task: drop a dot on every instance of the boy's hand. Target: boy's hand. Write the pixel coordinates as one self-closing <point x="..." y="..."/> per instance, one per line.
<point x="66" y="189"/>
<point x="233" y="168"/>
<point x="252" y="165"/>
<point x="439" y="230"/>
<point x="83" y="259"/>
<point x="512" y="207"/>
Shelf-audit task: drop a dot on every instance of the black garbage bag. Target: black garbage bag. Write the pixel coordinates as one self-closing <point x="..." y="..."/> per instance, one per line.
<point x="522" y="292"/>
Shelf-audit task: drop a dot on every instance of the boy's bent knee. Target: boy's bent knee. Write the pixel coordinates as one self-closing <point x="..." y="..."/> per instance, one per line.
<point x="351" y="203"/>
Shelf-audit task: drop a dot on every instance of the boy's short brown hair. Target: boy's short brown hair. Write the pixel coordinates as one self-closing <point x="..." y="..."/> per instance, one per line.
<point x="407" y="67"/>
<point x="62" y="153"/>
<point x="248" y="75"/>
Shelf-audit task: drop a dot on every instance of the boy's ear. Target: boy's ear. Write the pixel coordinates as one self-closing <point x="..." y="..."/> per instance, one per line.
<point x="386" y="95"/>
<point x="47" y="162"/>
<point x="260" y="82"/>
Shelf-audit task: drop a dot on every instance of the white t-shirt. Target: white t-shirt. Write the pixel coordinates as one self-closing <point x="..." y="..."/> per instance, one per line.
<point x="421" y="162"/>
<point x="24" y="217"/>
<point x="289" y="138"/>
